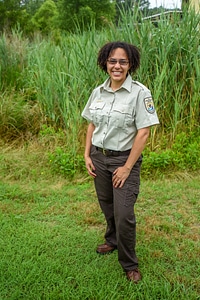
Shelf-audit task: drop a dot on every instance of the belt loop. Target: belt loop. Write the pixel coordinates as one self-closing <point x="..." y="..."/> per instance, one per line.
<point x="104" y="152"/>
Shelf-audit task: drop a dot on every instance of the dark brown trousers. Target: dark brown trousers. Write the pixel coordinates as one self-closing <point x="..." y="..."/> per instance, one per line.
<point x="117" y="205"/>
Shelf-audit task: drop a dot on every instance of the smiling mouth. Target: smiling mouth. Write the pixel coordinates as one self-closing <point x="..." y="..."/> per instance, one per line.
<point x="116" y="73"/>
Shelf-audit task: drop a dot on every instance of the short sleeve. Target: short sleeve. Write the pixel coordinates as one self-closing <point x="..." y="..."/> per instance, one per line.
<point x="86" y="112"/>
<point x="145" y="110"/>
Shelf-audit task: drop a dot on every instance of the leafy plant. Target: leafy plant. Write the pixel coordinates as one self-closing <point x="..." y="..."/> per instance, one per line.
<point x="183" y="155"/>
<point x="66" y="163"/>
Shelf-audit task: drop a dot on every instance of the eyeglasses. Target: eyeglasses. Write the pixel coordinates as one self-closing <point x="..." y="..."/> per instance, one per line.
<point x="113" y="61"/>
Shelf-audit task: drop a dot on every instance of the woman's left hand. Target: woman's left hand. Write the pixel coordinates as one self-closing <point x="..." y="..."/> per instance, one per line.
<point x="119" y="176"/>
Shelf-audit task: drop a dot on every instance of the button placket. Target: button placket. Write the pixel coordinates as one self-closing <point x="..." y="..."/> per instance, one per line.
<point x="109" y="107"/>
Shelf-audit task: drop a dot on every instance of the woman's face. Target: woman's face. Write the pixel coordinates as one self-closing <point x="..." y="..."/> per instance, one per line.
<point x="118" y="66"/>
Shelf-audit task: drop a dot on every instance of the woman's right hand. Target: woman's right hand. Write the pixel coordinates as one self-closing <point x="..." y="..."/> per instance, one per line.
<point x="90" y="167"/>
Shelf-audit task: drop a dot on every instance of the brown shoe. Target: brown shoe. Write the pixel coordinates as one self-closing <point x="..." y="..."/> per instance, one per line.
<point x="134" y="275"/>
<point x="105" y="249"/>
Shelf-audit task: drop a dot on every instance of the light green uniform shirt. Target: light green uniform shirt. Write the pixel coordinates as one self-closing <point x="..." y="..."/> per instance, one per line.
<point x="117" y="115"/>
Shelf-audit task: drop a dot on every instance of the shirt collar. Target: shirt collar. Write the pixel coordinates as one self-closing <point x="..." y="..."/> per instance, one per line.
<point x="126" y="84"/>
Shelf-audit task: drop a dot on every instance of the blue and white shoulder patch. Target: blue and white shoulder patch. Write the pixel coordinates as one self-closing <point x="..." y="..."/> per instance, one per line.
<point x="149" y="105"/>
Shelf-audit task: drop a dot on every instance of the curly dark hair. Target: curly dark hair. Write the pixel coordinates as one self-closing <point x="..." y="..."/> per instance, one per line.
<point x="131" y="51"/>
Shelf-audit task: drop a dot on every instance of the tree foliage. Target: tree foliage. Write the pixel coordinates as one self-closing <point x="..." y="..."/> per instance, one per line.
<point x="85" y="12"/>
<point x="10" y="13"/>
<point x="46" y="17"/>
<point x="32" y="5"/>
<point x="67" y="15"/>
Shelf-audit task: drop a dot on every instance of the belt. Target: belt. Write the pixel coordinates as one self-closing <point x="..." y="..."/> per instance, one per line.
<point x="108" y="152"/>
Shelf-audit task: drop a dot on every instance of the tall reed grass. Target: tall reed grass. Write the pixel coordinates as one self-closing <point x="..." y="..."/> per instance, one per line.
<point x="60" y="77"/>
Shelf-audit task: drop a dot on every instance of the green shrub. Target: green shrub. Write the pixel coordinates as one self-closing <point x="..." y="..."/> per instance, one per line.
<point x="66" y="163"/>
<point x="183" y="155"/>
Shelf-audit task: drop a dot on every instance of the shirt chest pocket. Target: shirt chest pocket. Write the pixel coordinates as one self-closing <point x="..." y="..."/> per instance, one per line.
<point x="122" y="116"/>
<point x="97" y="111"/>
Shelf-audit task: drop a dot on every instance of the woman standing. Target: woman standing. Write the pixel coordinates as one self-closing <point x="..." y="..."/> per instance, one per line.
<point x="120" y="112"/>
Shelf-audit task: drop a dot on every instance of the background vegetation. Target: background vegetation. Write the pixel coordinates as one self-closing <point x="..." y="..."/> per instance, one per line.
<point x="45" y="83"/>
<point x="58" y="15"/>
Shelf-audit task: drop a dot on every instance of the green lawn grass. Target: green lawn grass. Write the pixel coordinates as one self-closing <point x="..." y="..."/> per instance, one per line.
<point x="50" y="230"/>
